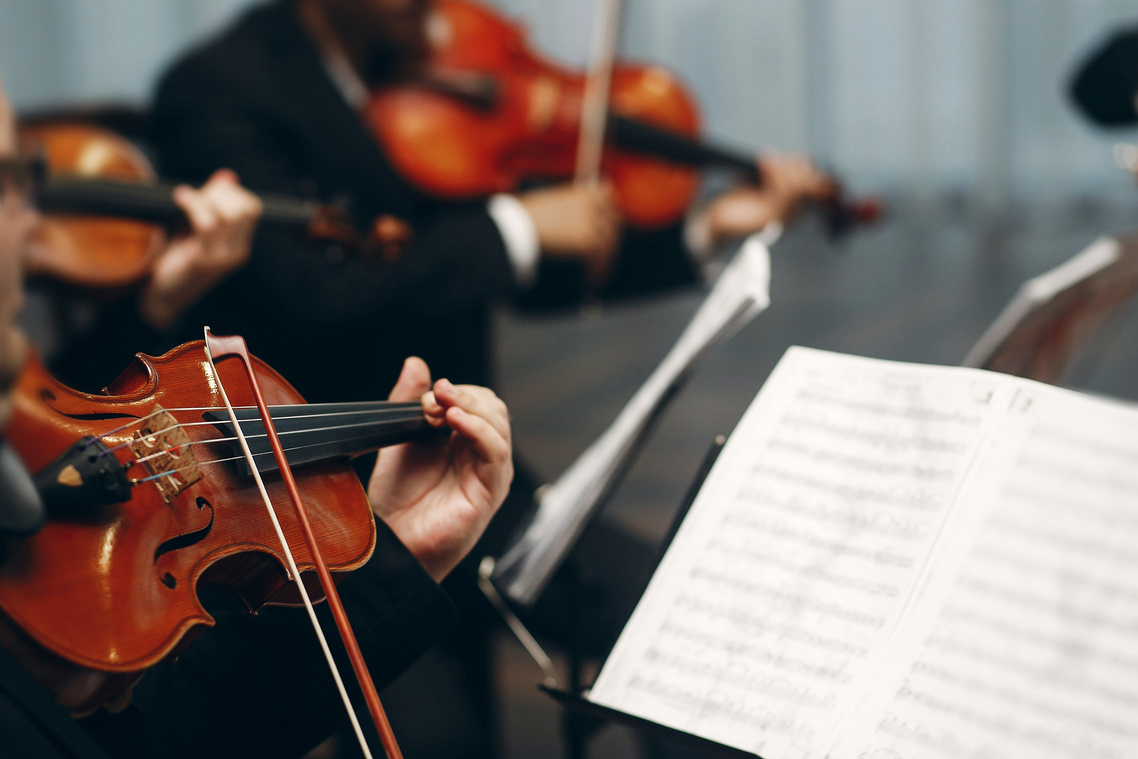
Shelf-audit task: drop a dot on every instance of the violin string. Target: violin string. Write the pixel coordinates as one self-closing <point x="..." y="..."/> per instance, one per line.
<point x="328" y="428"/>
<point x="379" y="405"/>
<point x="167" y="473"/>
<point x="122" y="428"/>
<point x="291" y="449"/>
<point x="379" y="410"/>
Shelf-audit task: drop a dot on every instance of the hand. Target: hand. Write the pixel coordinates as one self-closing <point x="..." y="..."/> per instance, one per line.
<point x="438" y="496"/>
<point x="578" y="221"/>
<point x="787" y="182"/>
<point x="223" y="216"/>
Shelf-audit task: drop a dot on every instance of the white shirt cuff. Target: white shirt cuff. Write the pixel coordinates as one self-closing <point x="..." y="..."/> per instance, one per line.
<point x="697" y="238"/>
<point x="518" y="234"/>
<point x="701" y="248"/>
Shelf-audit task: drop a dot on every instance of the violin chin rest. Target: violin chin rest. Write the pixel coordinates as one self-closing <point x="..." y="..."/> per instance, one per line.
<point x="82" y="478"/>
<point x="21" y="509"/>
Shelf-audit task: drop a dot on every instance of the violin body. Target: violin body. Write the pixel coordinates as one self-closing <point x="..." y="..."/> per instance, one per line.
<point x="113" y="589"/>
<point x="106" y="215"/>
<point x="98" y="251"/>
<point x="521" y="120"/>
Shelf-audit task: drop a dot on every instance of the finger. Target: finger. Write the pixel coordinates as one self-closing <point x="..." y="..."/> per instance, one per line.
<point x="228" y="176"/>
<point x="772" y="172"/>
<point x="606" y="240"/>
<point x="604" y="228"/>
<point x="607" y="208"/>
<point x="487" y="440"/>
<point x="414" y="380"/>
<point x="433" y="410"/>
<point x="236" y="206"/>
<point x="804" y="172"/>
<point x="479" y="401"/>
<point x="176" y="261"/>
<point x="198" y="209"/>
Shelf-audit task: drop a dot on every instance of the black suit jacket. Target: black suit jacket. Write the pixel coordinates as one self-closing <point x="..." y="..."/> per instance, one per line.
<point x="258" y="100"/>
<point x="253" y="686"/>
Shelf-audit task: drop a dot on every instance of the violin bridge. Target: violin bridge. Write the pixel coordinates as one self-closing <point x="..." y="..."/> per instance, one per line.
<point x="164" y="449"/>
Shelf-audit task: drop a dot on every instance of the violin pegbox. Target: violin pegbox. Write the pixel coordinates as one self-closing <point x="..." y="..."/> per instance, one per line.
<point x="164" y="450"/>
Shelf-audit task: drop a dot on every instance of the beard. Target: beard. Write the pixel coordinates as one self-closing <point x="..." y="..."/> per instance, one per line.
<point x="387" y="63"/>
<point x="390" y="44"/>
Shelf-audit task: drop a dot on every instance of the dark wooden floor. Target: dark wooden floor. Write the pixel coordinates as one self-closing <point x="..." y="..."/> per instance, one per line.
<point x="921" y="286"/>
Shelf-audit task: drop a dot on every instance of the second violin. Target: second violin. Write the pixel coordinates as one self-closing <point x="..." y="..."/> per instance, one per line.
<point x="491" y="114"/>
<point x="107" y="212"/>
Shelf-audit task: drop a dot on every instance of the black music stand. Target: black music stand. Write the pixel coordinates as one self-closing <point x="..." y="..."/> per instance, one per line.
<point x="582" y="718"/>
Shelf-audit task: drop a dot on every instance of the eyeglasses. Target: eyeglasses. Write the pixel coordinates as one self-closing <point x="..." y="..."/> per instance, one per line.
<point x="22" y="177"/>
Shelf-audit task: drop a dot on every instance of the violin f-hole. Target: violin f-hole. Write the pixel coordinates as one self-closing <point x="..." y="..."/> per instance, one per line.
<point x="184" y="540"/>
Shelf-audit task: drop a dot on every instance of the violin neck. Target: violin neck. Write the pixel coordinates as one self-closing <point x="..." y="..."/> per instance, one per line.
<point x="639" y="137"/>
<point x="152" y="203"/>
<point x="313" y="432"/>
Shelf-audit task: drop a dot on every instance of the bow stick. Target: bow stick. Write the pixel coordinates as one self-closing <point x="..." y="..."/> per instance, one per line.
<point x="598" y="86"/>
<point x="219" y="347"/>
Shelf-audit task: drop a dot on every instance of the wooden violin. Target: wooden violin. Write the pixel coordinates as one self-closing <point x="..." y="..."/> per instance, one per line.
<point x="491" y="114"/>
<point x="107" y="214"/>
<point x="148" y="499"/>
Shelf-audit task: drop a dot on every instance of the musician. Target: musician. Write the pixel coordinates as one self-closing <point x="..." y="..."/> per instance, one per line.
<point x="257" y="686"/>
<point x="278" y="98"/>
<point x="223" y="217"/>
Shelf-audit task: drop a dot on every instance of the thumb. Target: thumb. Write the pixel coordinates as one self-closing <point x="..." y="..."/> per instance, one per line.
<point x="414" y="380"/>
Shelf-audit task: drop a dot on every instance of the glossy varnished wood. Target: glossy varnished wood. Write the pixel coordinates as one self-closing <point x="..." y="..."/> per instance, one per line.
<point x="451" y="148"/>
<point x="103" y="589"/>
<point x="93" y="251"/>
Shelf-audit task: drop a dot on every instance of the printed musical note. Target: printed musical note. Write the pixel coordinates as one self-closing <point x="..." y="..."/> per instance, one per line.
<point x="793" y="567"/>
<point x="892" y="560"/>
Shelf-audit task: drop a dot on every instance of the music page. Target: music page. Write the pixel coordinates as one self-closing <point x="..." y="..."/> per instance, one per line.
<point x="785" y="585"/>
<point x="1026" y="643"/>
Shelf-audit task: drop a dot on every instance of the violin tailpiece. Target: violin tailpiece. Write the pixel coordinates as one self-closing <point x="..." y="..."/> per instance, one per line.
<point x="164" y="448"/>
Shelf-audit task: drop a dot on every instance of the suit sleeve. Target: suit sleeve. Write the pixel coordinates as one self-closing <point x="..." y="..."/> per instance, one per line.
<point x="457" y="260"/>
<point x="649" y="262"/>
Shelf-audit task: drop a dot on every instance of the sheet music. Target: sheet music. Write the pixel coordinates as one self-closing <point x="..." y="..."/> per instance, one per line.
<point x="1056" y="317"/>
<point x="741" y="293"/>
<point x="786" y="582"/>
<point x="1027" y="645"/>
<point x="1039" y="290"/>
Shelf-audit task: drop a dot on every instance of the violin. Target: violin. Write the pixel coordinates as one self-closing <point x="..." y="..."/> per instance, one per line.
<point x="149" y="498"/>
<point x="491" y="114"/>
<point x="107" y="214"/>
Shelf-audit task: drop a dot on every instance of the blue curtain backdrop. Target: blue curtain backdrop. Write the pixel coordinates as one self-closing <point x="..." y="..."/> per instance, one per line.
<point x="912" y="96"/>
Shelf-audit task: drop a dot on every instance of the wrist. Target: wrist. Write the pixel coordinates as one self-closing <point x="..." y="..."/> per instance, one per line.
<point x="435" y="559"/>
<point x="157" y="312"/>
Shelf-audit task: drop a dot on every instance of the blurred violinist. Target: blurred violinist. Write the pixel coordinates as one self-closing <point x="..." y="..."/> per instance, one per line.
<point x="255" y="685"/>
<point x="279" y="97"/>
<point x="222" y="217"/>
